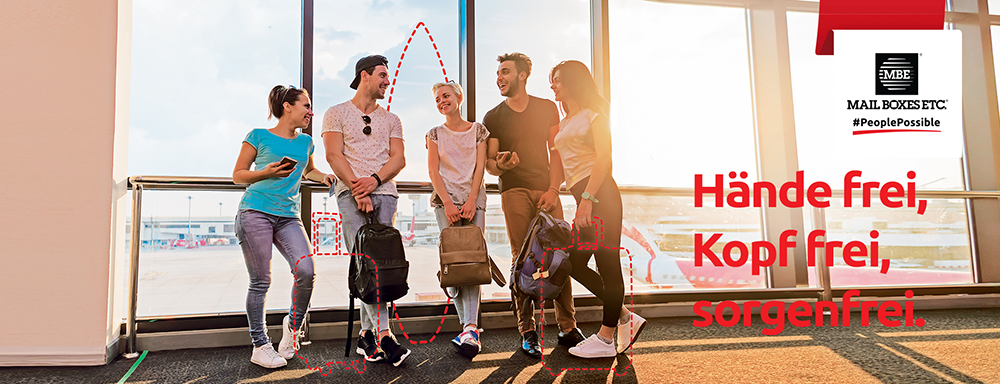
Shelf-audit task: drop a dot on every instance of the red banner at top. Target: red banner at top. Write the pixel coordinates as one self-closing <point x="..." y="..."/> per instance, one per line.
<point x="875" y="14"/>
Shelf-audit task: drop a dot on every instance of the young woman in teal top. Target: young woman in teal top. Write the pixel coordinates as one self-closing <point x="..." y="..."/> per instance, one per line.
<point x="269" y="214"/>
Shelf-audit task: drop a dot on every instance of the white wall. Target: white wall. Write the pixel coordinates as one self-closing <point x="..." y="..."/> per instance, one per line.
<point x="58" y="106"/>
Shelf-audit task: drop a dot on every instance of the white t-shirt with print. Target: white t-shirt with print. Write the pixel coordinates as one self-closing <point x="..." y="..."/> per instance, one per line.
<point x="365" y="153"/>
<point x="457" y="162"/>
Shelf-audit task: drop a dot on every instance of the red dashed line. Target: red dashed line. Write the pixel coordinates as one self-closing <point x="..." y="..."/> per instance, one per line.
<point x="407" y="47"/>
<point x="335" y="217"/>
<point x="436" y="332"/>
<point x="359" y="366"/>
<point x="541" y="310"/>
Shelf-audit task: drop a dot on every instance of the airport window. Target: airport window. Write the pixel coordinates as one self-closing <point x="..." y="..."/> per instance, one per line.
<point x="199" y="82"/>
<point x="679" y="109"/>
<point x="551" y="32"/>
<point x="343" y="34"/>
<point x="993" y="6"/>
<point x="182" y="257"/>
<point x="944" y="257"/>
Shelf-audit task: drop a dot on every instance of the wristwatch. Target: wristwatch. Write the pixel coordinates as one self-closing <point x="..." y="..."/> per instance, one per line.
<point x="588" y="196"/>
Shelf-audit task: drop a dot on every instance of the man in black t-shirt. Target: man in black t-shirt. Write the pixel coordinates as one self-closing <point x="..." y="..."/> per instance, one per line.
<point x="517" y="151"/>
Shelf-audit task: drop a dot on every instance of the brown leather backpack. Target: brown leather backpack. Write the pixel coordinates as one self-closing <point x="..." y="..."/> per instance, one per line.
<point x="464" y="258"/>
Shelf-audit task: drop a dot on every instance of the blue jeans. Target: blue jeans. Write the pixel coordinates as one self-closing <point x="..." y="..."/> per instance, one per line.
<point x="257" y="231"/>
<point x="373" y="316"/>
<point x="467" y="301"/>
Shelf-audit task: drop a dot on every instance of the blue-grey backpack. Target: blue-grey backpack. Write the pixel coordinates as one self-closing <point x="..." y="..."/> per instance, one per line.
<point x="542" y="267"/>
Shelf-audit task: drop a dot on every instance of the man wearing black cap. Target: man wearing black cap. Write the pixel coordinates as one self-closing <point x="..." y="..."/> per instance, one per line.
<point x="364" y="146"/>
<point x="517" y="151"/>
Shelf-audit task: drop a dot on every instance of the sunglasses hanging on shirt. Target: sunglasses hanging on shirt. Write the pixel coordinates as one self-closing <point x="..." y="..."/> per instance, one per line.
<point x="368" y="128"/>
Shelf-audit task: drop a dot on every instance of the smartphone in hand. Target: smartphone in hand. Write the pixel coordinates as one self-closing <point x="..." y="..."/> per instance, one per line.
<point x="503" y="156"/>
<point x="288" y="160"/>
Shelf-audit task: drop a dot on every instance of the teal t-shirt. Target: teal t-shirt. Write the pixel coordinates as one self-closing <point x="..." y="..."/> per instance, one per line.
<point x="278" y="196"/>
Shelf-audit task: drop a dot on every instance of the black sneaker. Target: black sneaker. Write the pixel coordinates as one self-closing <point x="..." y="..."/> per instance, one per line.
<point x="571" y="338"/>
<point x="368" y="348"/>
<point x="529" y="344"/>
<point x="395" y="353"/>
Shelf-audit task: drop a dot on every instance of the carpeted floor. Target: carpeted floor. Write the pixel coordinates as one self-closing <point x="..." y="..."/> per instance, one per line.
<point x="954" y="346"/>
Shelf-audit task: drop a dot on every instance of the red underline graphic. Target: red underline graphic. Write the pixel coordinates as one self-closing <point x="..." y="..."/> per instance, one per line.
<point x="893" y="130"/>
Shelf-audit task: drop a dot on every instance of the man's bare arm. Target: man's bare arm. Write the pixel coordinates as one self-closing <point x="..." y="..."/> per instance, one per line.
<point x="492" y="147"/>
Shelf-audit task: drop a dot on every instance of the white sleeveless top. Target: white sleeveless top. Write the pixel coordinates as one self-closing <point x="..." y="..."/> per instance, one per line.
<point x="575" y="145"/>
<point x="457" y="155"/>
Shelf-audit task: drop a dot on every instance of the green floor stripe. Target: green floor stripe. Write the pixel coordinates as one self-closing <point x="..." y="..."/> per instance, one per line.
<point x="129" y="373"/>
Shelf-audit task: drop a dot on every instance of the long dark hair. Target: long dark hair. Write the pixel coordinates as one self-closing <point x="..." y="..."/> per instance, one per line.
<point x="580" y="85"/>
<point x="279" y="95"/>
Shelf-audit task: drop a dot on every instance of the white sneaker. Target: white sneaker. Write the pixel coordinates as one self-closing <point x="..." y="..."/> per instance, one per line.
<point x="289" y="339"/>
<point x="593" y="347"/>
<point x="266" y="357"/>
<point x="629" y="331"/>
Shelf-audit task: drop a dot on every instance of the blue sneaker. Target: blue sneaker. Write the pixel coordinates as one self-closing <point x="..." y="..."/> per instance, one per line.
<point x="467" y="343"/>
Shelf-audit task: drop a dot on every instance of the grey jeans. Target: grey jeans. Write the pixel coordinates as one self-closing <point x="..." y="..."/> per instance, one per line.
<point x="467" y="299"/>
<point x="373" y="316"/>
<point x="257" y="231"/>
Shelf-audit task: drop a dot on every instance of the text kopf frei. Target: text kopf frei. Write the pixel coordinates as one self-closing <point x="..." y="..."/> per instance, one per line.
<point x="795" y="194"/>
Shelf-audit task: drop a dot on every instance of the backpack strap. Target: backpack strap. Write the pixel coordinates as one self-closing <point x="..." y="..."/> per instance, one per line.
<point x="523" y="253"/>
<point x="495" y="272"/>
<point x="350" y="322"/>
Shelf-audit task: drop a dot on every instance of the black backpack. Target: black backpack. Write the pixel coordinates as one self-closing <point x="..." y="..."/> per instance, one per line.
<point x="378" y="268"/>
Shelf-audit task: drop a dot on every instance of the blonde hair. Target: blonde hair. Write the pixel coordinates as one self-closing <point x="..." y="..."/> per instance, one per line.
<point x="455" y="87"/>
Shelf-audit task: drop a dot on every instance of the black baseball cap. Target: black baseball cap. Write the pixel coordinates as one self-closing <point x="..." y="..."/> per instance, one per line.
<point x="366" y="62"/>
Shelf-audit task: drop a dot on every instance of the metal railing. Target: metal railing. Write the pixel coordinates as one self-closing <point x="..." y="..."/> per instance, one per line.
<point x="140" y="183"/>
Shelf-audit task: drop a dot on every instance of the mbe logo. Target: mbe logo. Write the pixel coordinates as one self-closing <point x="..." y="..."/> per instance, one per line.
<point x="896" y="73"/>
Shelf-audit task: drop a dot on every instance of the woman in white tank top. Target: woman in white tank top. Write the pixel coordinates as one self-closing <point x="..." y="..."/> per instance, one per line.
<point x="456" y="159"/>
<point x="583" y="141"/>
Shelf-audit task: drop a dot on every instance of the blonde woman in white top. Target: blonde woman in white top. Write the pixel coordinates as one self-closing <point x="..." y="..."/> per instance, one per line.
<point x="583" y="142"/>
<point x="456" y="158"/>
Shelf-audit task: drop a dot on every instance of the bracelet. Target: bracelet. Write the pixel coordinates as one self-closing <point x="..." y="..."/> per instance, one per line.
<point x="378" y="179"/>
<point x="556" y="190"/>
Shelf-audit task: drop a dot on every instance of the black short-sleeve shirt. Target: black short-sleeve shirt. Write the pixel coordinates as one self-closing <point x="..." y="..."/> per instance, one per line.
<point x="525" y="133"/>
